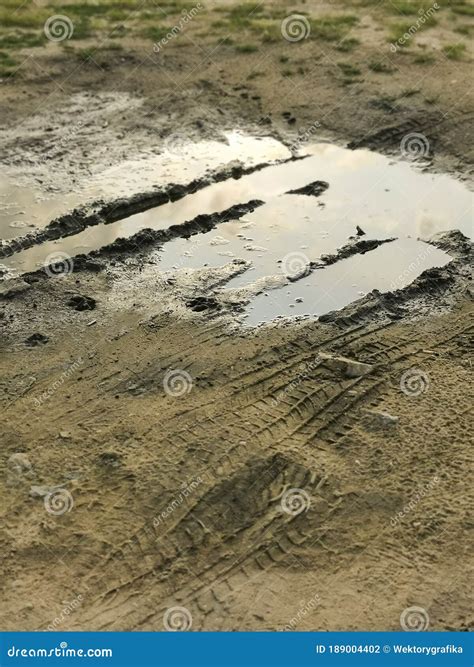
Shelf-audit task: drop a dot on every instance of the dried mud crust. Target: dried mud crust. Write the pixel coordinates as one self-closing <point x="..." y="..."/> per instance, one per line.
<point x="263" y="413"/>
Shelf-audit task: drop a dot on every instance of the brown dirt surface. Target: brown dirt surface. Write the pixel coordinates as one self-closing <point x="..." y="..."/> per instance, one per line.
<point x="177" y="459"/>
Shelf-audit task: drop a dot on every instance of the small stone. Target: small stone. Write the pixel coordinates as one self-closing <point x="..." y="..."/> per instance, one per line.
<point x="36" y="339"/>
<point x="350" y="367"/>
<point x="378" y="418"/>
<point x="80" y="302"/>
<point x="19" y="463"/>
<point x="40" y="491"/>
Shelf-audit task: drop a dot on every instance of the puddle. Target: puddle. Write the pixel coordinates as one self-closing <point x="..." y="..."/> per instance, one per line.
<point x="383" y="197"/>
<point x="23" y="209"/>
<point x="391" y="266"/>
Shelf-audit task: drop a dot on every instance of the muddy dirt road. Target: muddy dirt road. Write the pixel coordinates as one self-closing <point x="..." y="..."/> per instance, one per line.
<point x="166" y="464"/>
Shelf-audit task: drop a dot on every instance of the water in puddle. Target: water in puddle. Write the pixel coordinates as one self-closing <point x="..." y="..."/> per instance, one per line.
<point x="23" y="209"/>
<point x="385" y="198"/>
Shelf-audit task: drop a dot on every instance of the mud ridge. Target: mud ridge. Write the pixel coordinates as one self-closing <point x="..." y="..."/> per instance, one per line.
<point x="313" y="189"/>
<point x="152" y="237"/>
<point x="102" y="212"/>
<point x="350" y="249"/>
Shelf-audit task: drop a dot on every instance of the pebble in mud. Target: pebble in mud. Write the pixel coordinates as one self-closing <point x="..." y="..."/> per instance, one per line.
<point x="19" y="468"/>
<point x="36" y="339"/>
<point x="80" y="302"/>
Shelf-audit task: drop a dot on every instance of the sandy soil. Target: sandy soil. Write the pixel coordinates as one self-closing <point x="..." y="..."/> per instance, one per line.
<point x="263" y="484"/>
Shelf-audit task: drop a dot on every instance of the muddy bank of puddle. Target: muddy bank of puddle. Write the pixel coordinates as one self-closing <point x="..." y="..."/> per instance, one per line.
<point x="369" y="196"/>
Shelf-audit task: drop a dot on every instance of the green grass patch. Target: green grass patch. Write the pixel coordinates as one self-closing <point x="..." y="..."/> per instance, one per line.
<point x="399" y="33"/>
<point x="466" y="29"/>
<point x="409" y="7"/>
<point x="20" y="40"/>
<point x="255" y="75"/>
<point x="349" y="70"/>
<point x="332" y="28"/>
<point x="246" y="10"/>
<point x="156" y="33"/>
<point x="7" y="65"/>
<point x="409" y="92"/>
<point x="347" y="45"/>
<point x="424" y="59"/>
<point x="381" y="67"/>
<point x="464" y="10"/>
<point x="23" y="18"/>
<point x="454" y="51"/>
<point x="246" y="48"/>
<point x="82" y="28"/>
<point x="6" y="60"/>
